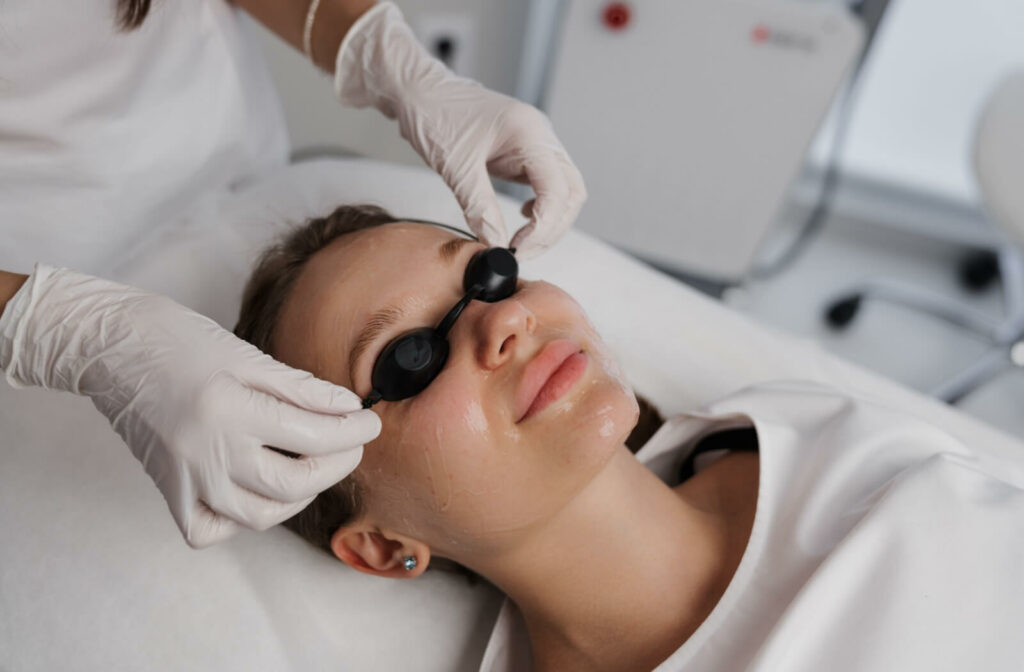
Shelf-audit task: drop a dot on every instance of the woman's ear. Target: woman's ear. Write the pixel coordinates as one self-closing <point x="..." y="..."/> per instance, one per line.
<point x="374" y="551"/>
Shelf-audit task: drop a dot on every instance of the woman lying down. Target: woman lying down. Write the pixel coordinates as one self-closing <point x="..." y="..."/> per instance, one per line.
<point x="786" y="527"/>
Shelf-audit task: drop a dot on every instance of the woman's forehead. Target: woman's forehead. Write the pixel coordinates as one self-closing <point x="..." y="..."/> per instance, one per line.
<point x="394" y="247"/>
<point x="390" y="240"/>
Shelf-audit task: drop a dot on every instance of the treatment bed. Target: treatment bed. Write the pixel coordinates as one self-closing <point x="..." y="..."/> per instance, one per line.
<point x="94" y="573"/>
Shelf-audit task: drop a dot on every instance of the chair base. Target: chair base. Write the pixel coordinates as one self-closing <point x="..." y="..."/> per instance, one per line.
<point x="1006" y="334"/>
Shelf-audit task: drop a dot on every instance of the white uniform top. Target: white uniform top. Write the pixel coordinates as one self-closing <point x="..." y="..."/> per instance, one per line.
<point x="104" y="135"/>
<point x="879" y="543"/>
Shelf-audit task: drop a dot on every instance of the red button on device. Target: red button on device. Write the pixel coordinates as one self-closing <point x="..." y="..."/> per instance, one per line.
<point x="616" y="15"/>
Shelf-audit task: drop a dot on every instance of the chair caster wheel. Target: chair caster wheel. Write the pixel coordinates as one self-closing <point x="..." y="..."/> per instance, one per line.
<point x="841" y="312"/>
<point x="979" y="270"/>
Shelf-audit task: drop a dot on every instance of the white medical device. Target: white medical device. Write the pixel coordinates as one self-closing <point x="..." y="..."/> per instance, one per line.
<point x="689" y="119"/>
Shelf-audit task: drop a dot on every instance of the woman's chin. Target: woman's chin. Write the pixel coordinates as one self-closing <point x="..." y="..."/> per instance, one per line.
<point x="598" y="424"/>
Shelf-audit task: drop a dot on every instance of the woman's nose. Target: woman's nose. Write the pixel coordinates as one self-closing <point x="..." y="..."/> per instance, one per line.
<point x="501" y="328"/>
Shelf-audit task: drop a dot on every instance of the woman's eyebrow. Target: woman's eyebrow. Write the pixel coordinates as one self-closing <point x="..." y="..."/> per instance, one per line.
<point x="451" y="248"/>
<point x="381" y="320"/>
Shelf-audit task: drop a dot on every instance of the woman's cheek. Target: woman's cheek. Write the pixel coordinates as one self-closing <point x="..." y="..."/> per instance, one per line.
<point x="404" y="469"/>
<point x="443" y="434"/>
<point x="471" y="473"/>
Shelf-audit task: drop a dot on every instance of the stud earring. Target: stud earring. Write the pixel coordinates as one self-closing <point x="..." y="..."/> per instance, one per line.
<point x="409" y="563"/>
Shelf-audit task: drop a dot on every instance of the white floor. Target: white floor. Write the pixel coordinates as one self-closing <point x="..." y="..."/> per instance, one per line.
<point x="910" y="347"/>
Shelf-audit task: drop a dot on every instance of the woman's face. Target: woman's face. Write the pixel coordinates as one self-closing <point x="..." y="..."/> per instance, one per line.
<point x="454" y="466"/>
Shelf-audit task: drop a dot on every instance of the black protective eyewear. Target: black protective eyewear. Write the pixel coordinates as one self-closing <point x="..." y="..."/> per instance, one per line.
<point x="410" y="362"/>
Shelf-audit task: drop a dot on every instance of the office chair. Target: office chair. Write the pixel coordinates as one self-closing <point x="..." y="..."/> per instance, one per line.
<point x="999" y="166"/>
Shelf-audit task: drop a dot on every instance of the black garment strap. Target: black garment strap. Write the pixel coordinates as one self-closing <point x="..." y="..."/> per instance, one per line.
<point x="738" y="438"/>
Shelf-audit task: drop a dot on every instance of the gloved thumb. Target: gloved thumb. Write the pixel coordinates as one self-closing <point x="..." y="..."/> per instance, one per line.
<point x="480" y="205"/>
<point x="206" y="528"/>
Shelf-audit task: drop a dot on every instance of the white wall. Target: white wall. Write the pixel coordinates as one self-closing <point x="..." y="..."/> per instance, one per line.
<point x="923" y="85"/>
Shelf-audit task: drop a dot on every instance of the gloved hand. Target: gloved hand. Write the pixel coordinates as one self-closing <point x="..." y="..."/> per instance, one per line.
<point x="195" y="404"/>
<point x="461" y="130"/>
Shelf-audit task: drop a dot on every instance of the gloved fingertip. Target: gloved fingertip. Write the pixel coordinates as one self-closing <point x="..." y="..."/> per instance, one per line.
<point x="521" y="240"/>
<point x="490" y="233"/>
<point x="326" y="397"/>
<point x="295" y="509"/>
<point x="530" y="242"/>
<point x="301" y="388"/>
<point x="320" y="474"/>
<point x="371" y="423"/>
<point x="485" y="220"/>
<point x="206" y="528"/>
<point x="366" y="426"/>
<point x="528" y="251"/>
<point x="344" y="400"/>
<point x="279" y="512"/>
<point x="344" y="464"/>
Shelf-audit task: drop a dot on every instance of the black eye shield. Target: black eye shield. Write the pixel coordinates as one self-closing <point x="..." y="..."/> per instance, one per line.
<point x="410" y="362"/>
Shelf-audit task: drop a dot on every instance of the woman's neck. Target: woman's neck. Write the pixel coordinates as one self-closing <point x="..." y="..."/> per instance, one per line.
<point x="622" y="576"/>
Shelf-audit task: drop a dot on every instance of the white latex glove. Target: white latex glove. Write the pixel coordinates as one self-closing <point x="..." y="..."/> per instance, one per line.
<point x="461" y="130"/>
<point x="195" y="404"/>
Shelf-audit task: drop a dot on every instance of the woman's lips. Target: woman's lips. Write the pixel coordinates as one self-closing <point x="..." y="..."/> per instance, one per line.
<point x="549" y="376"/>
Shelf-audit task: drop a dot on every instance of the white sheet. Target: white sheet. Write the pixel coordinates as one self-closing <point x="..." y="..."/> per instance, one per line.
<point x="93" y="570"/>
<point x="879" y="543"/>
